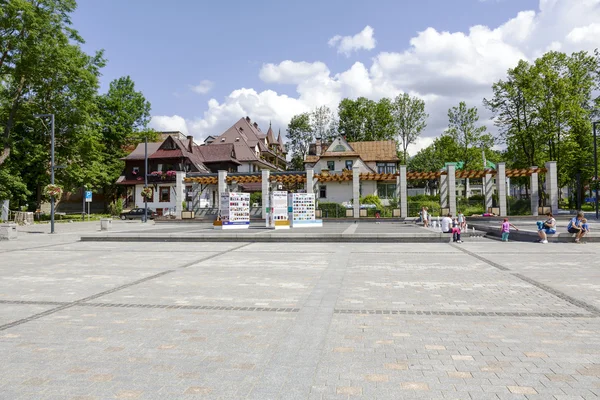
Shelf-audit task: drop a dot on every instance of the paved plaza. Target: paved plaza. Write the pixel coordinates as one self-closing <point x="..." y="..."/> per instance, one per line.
<point x="240" y="320"/>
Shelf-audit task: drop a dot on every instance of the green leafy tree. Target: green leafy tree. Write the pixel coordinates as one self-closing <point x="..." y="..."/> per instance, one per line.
<point x="365" y="120"/>
<point x="464" y="130"/>
<point x="410" y="119"/>
<point x="323" y="123"/>
<point x="300" y="135"/>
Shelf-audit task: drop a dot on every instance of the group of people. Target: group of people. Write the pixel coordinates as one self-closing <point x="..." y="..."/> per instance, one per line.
<point x="577" y="226"/>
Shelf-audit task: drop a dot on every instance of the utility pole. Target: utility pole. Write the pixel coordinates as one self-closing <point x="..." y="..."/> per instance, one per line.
<point x="145" y="177"/>
<point x="51" y="165"/>
<point x="596" y="166"/>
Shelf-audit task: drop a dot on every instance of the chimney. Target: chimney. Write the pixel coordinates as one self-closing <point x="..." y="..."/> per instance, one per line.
<point x="247" y="119"/>
<point x="318" y="147"/>
<point x="190" y="143"/>
<point x="255" y="125"/>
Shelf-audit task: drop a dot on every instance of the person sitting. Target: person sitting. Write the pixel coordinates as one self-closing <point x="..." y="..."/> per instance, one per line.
<point x="546" y="228"/>
<point x="447" y="227"/>
<point x="576" y="226"/>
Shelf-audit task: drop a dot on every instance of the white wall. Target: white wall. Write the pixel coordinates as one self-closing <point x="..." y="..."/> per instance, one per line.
<point x="341" y="192"/>
<point x="340" y="164"/>
<point x="173" y="205"/>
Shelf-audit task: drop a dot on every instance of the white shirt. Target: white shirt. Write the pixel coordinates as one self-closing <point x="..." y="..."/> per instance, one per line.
<point x="446" y="224"/>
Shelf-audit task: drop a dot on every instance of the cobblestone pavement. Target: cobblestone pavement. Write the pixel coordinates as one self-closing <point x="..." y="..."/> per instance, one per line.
<point x="482" y="320"/>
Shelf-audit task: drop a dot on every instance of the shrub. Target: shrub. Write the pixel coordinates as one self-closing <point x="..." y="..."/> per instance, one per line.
<point x="332" y="210"/>
<point x="116" y="207"/>
<point x="256" y="197"/>
<point x="372" y="199"/>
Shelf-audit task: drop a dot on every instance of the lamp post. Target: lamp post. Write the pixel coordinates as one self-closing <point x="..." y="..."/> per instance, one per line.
<point x="145" y="219"/>
<point x="51" y="164"/>
<point x="596" y="166"/>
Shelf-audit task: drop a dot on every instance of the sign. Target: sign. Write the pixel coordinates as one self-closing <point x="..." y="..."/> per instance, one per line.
<point x="88" y="196"/>
<point x="458" y="164"/>
<point x="590" y="199"/>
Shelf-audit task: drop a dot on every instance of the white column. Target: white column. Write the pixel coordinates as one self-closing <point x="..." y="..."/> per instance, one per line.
<point x="221" y="187"/>
<point x="179" y="193"/>
<point x="310" y="181"/>
<point x="444" y="191"/>
<point x="552" y="185"/>
<point x="356" y="189"/>
<point x="534" y="191"/>
<point x="401" y="184"/>
<point x="265" y="184"/>
<point x="488" y="190"/>
<point x="452" y="189"/>
<point x="468" y="187"/>
<point x="501" y="184"/>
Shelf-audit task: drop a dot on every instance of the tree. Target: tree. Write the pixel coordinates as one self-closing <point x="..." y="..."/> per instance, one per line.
<point x="433" y="158"/>
<point x="365" y="120"/>
<point x="124" y="116"/>
<point x="300" y="135"/>
<point x="462" y="127"/>
<point x="33" y="36"/>
<point x="323" y="123"/>
<point x="410" y="119"/>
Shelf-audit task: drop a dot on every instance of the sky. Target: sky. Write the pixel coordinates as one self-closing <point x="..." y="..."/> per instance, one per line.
<point x="205" y="64"/>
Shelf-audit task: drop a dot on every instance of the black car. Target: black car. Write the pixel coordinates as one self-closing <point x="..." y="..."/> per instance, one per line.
<point x="137" y="213"/>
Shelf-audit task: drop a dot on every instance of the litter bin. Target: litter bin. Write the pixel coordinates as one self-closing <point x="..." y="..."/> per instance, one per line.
<point x="8" y="231"/>
<point x="105" y="224"/>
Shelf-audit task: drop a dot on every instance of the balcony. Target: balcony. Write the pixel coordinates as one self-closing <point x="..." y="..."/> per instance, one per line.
<point x="158" y="177"/>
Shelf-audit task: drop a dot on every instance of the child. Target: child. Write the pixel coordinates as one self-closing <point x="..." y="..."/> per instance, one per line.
<point x="505" y="229"/>
<point x="462" y="222"/>
<point x="585" y="226"/>
<point x="425" y="217"/>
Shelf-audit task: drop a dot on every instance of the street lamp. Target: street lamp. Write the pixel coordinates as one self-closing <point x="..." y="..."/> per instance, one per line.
<point x="145" y="219"/>
<point x="51" y="165"/>
<point x="596" y="166"/>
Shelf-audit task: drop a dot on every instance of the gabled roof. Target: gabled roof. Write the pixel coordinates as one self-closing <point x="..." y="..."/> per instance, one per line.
<point x="245" y="136"/>
<point x="218" y="153"/>
<point x="139" y="152"/>
<point x="383" y="150"/>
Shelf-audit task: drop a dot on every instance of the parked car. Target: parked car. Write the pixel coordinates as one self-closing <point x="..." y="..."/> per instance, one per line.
<point x="137" y="213"/>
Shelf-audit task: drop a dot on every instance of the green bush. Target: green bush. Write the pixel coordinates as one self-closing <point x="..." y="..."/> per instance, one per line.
<point x="519" y="207"/>
<point x="372" y="199"/>
<point x="256" y="197"/>
<point x="332" y="210"/>
<point x="477" y="197"/>
<point x="116" y="207"/>
<point x="424" y="197"/>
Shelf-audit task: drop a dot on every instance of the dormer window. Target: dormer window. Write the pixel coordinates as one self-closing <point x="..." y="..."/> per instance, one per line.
<point x="237" y="139"/>
<point x="222" y="140"/>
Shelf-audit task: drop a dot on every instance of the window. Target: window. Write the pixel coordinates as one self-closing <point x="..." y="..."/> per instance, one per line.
<point x="349" y="165"/>
<point x="164" y="194"/>
<point x="386" y="190"/>
<point x="331" y="165"/>
<point x="322" y="192"/>
<point x="386" y="168"/>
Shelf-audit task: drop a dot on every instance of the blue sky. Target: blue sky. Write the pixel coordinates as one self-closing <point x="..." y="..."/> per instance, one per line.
<point x="168" y="47"/>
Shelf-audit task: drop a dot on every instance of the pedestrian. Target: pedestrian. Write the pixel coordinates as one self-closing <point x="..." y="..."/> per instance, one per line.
<point x="505" y="229"/>
<point x="546" y="228"/>
<point x="447" y="227"/>
<point x="585" y="225"/>
<point x="425" y="217"/>
<point x="462" y="221"/>
<point x="575" y="226"/>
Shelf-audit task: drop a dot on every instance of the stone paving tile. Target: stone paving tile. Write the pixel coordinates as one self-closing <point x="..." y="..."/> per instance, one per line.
<point x="102" y="352"/>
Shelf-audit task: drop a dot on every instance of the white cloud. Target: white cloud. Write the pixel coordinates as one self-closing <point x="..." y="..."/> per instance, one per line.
<point x="169" y="123"/>
<point x="349" y="44"/>
<point x="441" y="67"/>
<point x="291" y="72"/>
<point x="203" y="87"/>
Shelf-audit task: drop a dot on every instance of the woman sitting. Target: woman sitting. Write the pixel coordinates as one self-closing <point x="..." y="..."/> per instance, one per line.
<point x="547" y="227"/>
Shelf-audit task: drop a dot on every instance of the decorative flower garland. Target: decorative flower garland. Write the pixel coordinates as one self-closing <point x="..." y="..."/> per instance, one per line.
<point x="171" y="173"/>
<point x="53" y="191"/>
<point x="147" y="192"/>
